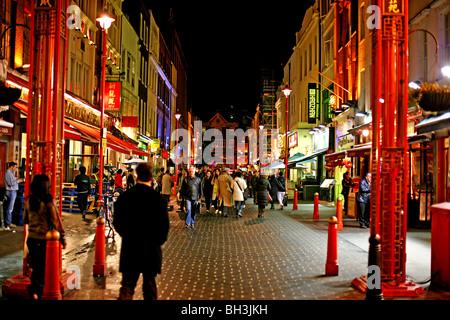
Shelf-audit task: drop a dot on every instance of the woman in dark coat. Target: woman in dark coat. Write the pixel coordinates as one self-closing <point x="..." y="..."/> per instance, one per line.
<point x="263" y="188"/>
<point x="207" y="187"/>
<point x="273" y="190"/>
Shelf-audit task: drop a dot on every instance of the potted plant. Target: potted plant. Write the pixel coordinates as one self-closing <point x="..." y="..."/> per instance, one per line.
<point x="431" y="97"/>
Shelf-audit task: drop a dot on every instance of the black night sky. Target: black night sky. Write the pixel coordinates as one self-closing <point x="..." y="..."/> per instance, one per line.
<point x="227" y="43"/>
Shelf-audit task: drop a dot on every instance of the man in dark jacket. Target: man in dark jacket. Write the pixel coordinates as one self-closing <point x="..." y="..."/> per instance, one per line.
<point x="141" y="219"/>
<point x="191" y="190"/>
<point x="364" y="200"/>
<point x="262" y="191"/>
<point x="83" y="183"/>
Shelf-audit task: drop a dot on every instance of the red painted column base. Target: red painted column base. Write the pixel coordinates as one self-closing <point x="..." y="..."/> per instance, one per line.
<point x="390" y="289"/>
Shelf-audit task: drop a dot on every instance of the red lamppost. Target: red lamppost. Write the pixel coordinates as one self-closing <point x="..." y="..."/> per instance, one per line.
<point x="287" y="91"/>
<point x="99" y="269"/>
<point x="178" y="117"/>
<point x="261" y="153"/>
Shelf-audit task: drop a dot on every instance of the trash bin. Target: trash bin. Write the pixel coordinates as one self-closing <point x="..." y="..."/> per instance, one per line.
<point x="440" y="245"/>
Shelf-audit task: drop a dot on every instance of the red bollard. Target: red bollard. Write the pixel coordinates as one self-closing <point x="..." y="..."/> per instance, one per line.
<point x="316" y="206"/>
<point x="340" y="223"/>
<point x="332" y="265"/>
<point x="99" y="268"/>
<point x="295" y="200"/>
<point x="52" y="290"/>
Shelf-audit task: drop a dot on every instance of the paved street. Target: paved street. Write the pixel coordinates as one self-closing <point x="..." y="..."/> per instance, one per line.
<point x="279" y="257"/>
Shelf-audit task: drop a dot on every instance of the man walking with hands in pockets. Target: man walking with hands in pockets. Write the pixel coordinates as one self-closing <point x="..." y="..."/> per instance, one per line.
<point x="191" y="190"/>
<point x="141" y="219"/>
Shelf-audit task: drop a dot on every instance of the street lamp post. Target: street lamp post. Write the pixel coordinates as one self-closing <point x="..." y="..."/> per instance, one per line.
<point x="178" y="117"/>
<point x="99" y="269"/>
<point x="287" y="91"/>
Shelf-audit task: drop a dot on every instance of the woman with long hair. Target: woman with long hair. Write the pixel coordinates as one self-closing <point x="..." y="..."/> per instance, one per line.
<point x="40" y="214"/>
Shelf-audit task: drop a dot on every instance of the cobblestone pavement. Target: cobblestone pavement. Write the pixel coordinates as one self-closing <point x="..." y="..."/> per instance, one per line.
<point x="250" y="258"/>
<point x="279" y="257"/>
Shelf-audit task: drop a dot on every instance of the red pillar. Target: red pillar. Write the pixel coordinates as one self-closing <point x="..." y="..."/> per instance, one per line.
<point x="52" y="289"/>
<point x="332" y="265"/>
<point x="340" y="224"/>
<point x="295" y="200"/>
<point x="316" y="206"/>
<point x="99" y="268"/>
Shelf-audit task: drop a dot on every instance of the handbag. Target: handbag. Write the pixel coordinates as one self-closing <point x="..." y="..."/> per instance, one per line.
<point x="243" y="192"/>
<point x="285" y="200"/>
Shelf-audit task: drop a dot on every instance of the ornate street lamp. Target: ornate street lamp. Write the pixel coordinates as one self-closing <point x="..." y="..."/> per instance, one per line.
<point x="178" y="117"/>
<point x="287" y="92"/>
<point x="99" y="268"/>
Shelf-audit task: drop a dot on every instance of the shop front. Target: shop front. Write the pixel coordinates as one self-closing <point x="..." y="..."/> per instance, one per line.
<point x="432" y="172"/>
<point x="309" y="165"/>
<point x="299" y="144"/>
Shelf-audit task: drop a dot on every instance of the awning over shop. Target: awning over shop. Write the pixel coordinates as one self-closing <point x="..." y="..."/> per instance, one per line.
<point x="6" y="124"/>
<point x="114" y="143"/>
<point x="336" y="156"/>
<point x="307" y="159"/>
<point x="70" y="133"/>
<point x="295" y="157"/>
<point x="21" y="106"/>
<point x="418" y="138"/>
<point x="275" y="165"/>
<point x="441" y="122"/>
<point x="363" y="151"/>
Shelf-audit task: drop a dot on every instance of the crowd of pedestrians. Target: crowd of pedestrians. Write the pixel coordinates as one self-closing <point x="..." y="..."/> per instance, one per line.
<point x="225" y="192"/>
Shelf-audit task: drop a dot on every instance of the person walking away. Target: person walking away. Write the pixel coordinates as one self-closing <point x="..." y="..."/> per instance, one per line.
<point x="239" y="187"/>
<point x="143" y="233"/>
<point x="130" y="179"/>
<point x="83" y="184"/>
<point x="95" y="185"/>
<point x="281" y="183"/>
<point x="248" y="179"/>
<point x="225" y="194"/>
<point x="254" y="182"/>
<point x="207" y="188"/>
<point x="346" y="185"/>
<point x="40" y="214"/>
<point x="263" y="192"/>
<point x="191" y="190"/>
<point x="273" y="190"/>
<point x="12" y="186"/>
<point x="159" y="177"/>
<point x="166" y="185"/>
<point x="364" y="200"/>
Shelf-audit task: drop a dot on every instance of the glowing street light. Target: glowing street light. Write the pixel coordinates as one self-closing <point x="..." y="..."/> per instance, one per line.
<point x="287" y="92"/>
<point x="99" y="268"/>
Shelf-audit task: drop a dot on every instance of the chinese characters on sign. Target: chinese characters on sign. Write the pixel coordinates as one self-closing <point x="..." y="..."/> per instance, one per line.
<point x="293" y="140"/>
<point x="112" y="96"/>
<point x="312" y="102"/>
<point x="392" y="7"/>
